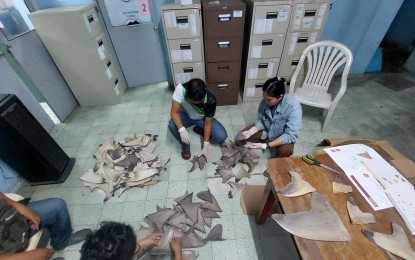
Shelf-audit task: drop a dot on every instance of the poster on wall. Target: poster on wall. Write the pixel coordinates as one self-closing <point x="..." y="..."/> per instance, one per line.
<point x="128" y="12"/>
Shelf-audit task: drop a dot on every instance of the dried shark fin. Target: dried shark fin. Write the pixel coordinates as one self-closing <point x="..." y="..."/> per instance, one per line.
<point x="242" y="173"/>
<point x="212" y="206"/>
<point x="356" y="215"/>
<point x="231" y="161"/>
<point x="191" y="210"/>
<point x="178" y="219"/>
<point x="208" y="221"/>
<point x="186" y="198"/>
<point x="144" y="232"/>
<point x="297" y="186"/>
<point x="319" y="223"/>
<point x="160" y="217"/>
<point x="228" y="149"/>
<point x="208" y="213"/>
<point x="92" y="177"/>
<point x="195" y="163"/>
<point x="247" y="159"/>
<point x="189" y="254"/>
<point x="397" y="243"/>
<point x="192" y="240"/>
<point x="215" y="233"/>
<point x="116" y="153"/>
<point x="205" y="195"/>
<point x="94" y="186"/>
<point x="226" y="174"/>
<point x="340" y="187"/>
<point x="200" y="223"/>
<point x="111" y="173"/>
<point x="236" y="189"/>
<point x="198" y="162"/>
<point x="145" y="156"/>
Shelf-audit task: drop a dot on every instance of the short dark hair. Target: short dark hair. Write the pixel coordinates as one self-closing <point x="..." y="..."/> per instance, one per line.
<point x="196" y="89"/>
<point x="113" y="241"/>
<point x="274" y="87"/>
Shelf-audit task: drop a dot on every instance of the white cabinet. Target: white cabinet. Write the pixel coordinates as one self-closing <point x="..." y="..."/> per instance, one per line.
<point x="183" y="41"/>
<point x="74" y="38"/>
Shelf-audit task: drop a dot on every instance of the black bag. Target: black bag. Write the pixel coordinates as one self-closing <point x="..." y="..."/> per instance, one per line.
<point x="13" y="229"/>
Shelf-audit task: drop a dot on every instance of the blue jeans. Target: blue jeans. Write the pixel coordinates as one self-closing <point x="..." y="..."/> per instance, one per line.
<point x="218" y="132"/>
<point x="55" y="218"/>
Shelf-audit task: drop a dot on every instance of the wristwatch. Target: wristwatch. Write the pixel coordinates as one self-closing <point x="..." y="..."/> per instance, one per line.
<point x="268" y="146"/>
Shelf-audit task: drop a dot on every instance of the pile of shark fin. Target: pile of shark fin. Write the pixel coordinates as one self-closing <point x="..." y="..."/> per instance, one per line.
<point x="122" y="165"/>
<point x="185" y="220"/>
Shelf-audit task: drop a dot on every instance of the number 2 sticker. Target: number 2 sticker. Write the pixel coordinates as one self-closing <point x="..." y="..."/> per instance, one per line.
<point x="144" y="7"/>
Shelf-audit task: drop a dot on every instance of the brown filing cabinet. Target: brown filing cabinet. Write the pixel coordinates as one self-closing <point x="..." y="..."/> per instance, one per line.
<point x="223" y="27"/>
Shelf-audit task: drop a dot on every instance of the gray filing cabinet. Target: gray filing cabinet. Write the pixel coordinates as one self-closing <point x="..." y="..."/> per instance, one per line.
<point x="307" y="22"/>
<point x="268" y="22"/>
<point x="183" y="41"/>
<point x="74" y="38"/>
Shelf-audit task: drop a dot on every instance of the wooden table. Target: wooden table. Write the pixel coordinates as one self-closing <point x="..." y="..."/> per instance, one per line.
<point x="359" y="247"/>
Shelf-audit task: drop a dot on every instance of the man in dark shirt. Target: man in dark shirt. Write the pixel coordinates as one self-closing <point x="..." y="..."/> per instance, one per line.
<point x="194" y="105"/>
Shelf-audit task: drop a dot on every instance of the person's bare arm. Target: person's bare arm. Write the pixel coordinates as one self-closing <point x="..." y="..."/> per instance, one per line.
<point x="36" y="254"/>
<point x="207" y="129"/>
<point x="176" y="247"/>
<point x="25" y="211"/>
<point x="174" y="113"/>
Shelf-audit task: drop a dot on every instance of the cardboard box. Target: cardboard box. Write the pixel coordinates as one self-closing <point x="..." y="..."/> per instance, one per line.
<point x="250" y="198"/>
<point x="400" y="162"/>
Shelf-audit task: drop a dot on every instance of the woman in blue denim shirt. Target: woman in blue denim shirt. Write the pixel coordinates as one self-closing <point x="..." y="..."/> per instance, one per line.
<point x="279" y="120"/>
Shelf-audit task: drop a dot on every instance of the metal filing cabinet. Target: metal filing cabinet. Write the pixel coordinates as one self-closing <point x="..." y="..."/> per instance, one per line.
<point x="75" y="40"/>
<point x="183" y="41"/>
<point x="267" y="26"/>
<point x="223" y="23"/>
<point x="307" y="21"/>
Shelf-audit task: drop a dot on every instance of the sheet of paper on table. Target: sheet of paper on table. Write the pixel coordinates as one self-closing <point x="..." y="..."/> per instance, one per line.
<point x="380" y="183"/>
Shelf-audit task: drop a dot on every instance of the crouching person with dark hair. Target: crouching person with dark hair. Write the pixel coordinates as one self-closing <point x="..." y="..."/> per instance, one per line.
<point x="279" y="120"/>
<point x="117" y="241"/>
<point x="194" y="105"/>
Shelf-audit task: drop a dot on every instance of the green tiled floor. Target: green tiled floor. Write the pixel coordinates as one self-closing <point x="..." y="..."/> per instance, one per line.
<point x="368" y="110"/>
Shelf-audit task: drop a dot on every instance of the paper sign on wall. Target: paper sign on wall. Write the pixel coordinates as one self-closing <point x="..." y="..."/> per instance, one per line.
<point x="128" y="12"/>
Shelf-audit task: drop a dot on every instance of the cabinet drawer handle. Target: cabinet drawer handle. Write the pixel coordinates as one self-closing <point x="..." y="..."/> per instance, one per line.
<point x="222" y="86"/>
<point x="224" y="44"/>
<point x="262" y="65"/>
<point x="223" y="68"/>
<point x="272" y="15"/>
<point x="108" y="63"/>
<point x="188" y="70"/>
<point x="302" y="39"/>
<point x="185" y="46"/>
<point x="90" y="18"/>
<point x="310" y="13"/>
<point x="182" y="19"/>
<point x="266" y="42"/>
<point x="259" y="85"/>
<point x="294" y="63"/>
<point x="224" y="17"/>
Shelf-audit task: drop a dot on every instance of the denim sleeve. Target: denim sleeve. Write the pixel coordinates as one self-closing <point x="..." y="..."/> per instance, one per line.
<point x="293" y="126"/>
<point x="258" y="122"/>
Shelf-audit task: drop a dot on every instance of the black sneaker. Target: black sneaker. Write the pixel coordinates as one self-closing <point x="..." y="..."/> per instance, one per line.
<point x="198" y="130"/>
<point x="186" y="151"/>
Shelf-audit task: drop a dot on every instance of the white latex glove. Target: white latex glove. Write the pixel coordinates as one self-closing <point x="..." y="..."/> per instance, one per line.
<point x="256" y="146"/>
<point x="204" y="150"/>
<point x="250" y="132"/>
<point x="184" y="135"/>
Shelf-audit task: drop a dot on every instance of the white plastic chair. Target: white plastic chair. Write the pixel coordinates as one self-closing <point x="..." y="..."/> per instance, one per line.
<point x="324" y="58"/>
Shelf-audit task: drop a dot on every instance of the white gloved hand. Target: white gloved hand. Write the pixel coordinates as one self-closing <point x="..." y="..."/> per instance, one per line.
<point x="250" y="132"/>
<point x="256" y="146"/>
<point x="204" y="151"/>
<point x="184" y="135"/>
